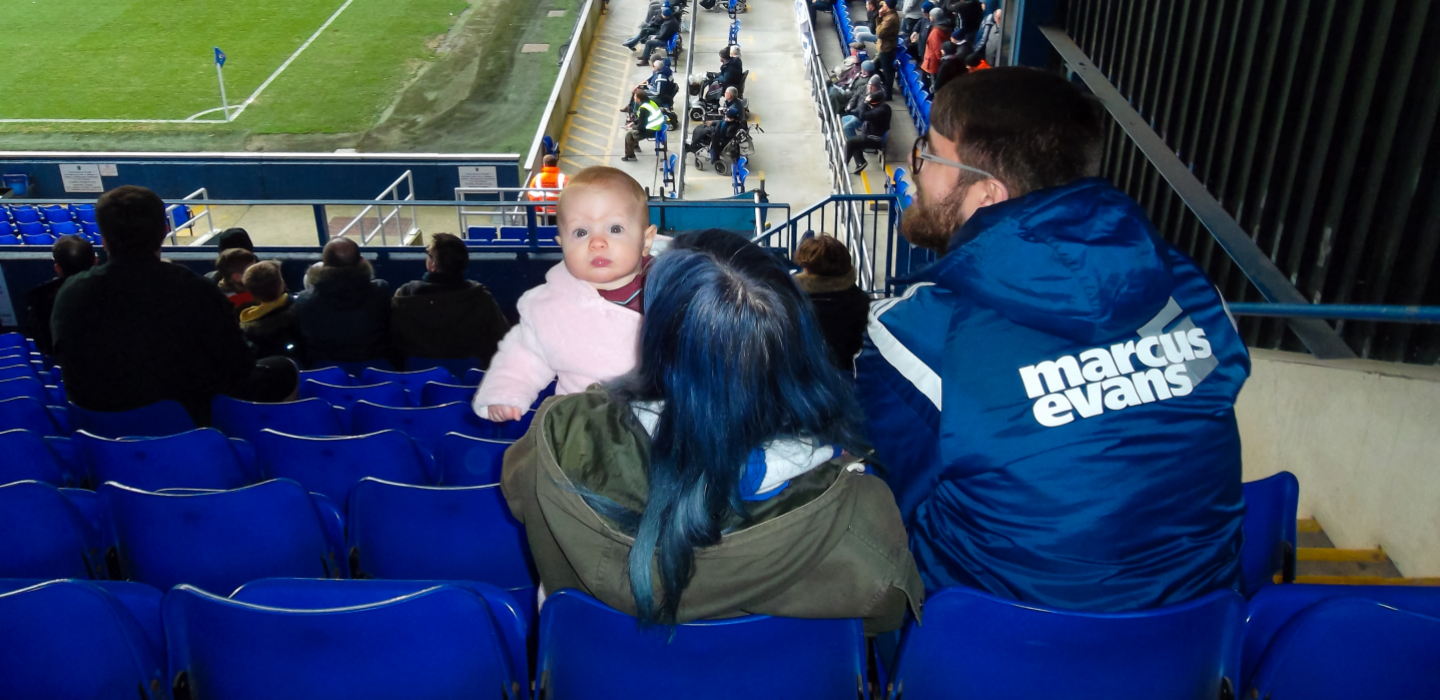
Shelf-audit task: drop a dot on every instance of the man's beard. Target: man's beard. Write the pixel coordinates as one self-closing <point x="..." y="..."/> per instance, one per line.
<point x="931" y="226"/>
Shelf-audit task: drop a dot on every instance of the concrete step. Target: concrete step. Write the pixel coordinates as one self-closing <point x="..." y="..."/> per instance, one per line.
<point x="1319" y="561"/>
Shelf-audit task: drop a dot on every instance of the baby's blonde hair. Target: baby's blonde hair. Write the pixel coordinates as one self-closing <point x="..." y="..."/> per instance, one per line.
<point x="603" y="176"/>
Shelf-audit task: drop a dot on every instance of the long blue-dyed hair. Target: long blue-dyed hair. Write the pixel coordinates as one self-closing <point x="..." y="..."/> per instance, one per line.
<point x="732" y="347"/>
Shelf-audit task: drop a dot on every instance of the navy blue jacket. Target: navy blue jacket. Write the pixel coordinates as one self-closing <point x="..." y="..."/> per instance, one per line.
<point x="1054" y="400"/>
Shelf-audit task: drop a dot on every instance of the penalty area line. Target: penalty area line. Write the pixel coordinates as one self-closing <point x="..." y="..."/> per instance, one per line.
<point x="288" y="61"/>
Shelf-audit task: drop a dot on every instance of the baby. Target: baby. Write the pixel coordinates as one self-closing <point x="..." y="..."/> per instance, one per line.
<point x="583" y="325"/>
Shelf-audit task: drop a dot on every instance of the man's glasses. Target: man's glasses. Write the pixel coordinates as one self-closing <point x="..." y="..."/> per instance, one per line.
<point x="920" y="152"/>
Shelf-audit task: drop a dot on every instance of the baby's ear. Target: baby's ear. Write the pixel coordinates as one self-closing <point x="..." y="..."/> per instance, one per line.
<point x="557" y="239"/>
<point x="650" y="232"/>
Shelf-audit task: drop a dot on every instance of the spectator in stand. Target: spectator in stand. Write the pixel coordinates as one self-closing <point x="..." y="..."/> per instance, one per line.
<point x="817" y="6"/>
<point x="72" y="255"/>
<point x="229" y="238"/>
<point x="948" y="53"/>
<point x="732" y="69"/>
<point x="669" y="27"/>
<point x="652" y="22"/>
<point x="704" y="133"/>
<point x="646" y="118"/>
<point x="660" y="86"/>
<point x="987" y="46"/>
<point x="1085" y="454"/>
<point x="727" y="131"/>
<point x="953" y="67"/>
<point x="828" y="277"/>
<point x="345" y="312"/>
<point x="271" y="326"/>
<point x="850" y="120"/>
<point x="230" y="267"/>
<point x="940" y="29"/>
<point x="874" y="124"/>
<point x="843" y="96"/>
<point x="887" y="35"/>
<point x="744" y="496"/>
<point x="971" y="14"/>
<point x="138" y="330"/>
<point x="918" y="34"/>
<point x="444" y="315"/>
<point x="911" y="12"/>
<point x="843" y="76"/>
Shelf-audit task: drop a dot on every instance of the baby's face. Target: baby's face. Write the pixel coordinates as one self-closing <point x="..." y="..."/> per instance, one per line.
<point x="605" y="235"/>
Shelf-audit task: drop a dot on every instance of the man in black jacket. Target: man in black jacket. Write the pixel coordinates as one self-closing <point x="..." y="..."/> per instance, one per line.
<point x="669" y="27"/>
<point x="648" y="27"/>
<point x="444" y="315"/>
<point x="345" y="313"/>
<point x="138" y="330"/>
<point x="874" y="124"/>
<point x="73" y="255"/>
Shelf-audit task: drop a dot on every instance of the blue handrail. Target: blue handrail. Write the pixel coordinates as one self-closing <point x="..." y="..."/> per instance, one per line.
<point x="1347" y="312"/>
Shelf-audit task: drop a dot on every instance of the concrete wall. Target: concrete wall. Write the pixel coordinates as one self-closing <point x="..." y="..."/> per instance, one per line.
<point x="1363" y="437"/>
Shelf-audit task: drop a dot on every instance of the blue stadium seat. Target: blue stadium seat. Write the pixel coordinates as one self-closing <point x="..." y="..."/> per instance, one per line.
<point x="25" y="214"/>
<point x="1351" y="648"/>
<point x="156" y="420"/>
<point x="1270" y="508"/>
<point x="483" y="234"/>
<point x="590" y="650"/>
<point x="16" y="340"/>
<point x="198" y="459"/>
<point x="29" y="387"/>
<point x="90" y="228"/>
<point x="25" y="413"/>
<point x="976" y="645"/>
<point x="328" y="375"/>
<point x="218" y="540"/>
<point x="76" y="639"/>
<point x="20" y="368"/>
<point x="424" y="425"/>
<point x="436" y="393"/>
<point x="1270" y="610"/>
<point x="138" y="599"/>
<point x="45" y="535"/>
<point x="410" y="381"/>
<point x="40" y="239"/>
<point x="28" y="458"/>
<point x="474" y="376"/>
<point x="399" y="531"/>
<point x="438" y="643"/>
<point x="84" y="213"/>
<point x="511" y="430"/>
<point x="332" y="465"/>
<point x="462" y="460"/>
<point x="245" y="419"/>
<point x="457" y="366"/>
<point x="387" y="394"/>
<point x="55" y="213"/>
<point x="514" y="233"/>
<point x="64" y="228"/>
<point x="7" y="239"/>
<point x="355" y="368"/>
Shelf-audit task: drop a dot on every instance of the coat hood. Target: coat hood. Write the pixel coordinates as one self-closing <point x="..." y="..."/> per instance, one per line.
<point x="343" y="286"/>
<point x="1080" y="261"/>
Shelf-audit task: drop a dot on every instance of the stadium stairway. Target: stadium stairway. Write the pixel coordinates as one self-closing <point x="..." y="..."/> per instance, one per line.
<point x="1318" y="561"/>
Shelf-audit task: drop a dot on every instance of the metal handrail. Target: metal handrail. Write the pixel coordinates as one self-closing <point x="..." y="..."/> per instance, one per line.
<point x="1315" y="333"/>
<point x="1346" y="312"/>
<point x="204" y="195"/>
<point x="385" y="220"/>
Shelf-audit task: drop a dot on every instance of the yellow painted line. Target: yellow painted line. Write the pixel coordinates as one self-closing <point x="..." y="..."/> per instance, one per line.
<point x="586" y="141"/>
<point x="1307" y="525"/>
<point x="592" y="120"/>
<point x="1367" y="581"/>
<point x="584" y="79"/>
<point x="614" y="52"/>
<point x="1324" y="554"/>
<point x="596" y="134"/>
<point x="865" y="179"/>
<point x="572" y="161"/>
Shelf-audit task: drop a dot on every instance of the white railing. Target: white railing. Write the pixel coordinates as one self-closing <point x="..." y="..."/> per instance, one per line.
<point x="210" y="231"/>
<point x="388" y="201"/>
<point x="500" y="212"/>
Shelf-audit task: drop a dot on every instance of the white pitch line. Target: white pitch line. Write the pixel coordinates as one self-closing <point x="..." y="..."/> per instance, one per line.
<point x="112" y="121"/>
<point x="288" y="61"/>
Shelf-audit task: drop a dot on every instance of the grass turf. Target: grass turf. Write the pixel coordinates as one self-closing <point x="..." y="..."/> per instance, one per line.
<point x="152" y="59"/>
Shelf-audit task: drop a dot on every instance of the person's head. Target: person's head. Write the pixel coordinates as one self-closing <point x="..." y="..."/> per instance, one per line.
<point x="604" y="223"/>
<point x="867" y="67"/>
<point x="73" y="255"/>
<point x="446" y="254"/>
<point x="233" y="238"/>
<point x="937" y="15"/>
<point x="731" y="93"/>
<point x="824" y="256"/>
<point x="1025" y="129"/>
<point x="874" y="83"/>
<point x="732" y="114"/>
<point x="999" y="15"/>
<point x="883" y="7"/>
<point x="875" y="97"/>
<point x="550" y="161"/>
<point x="132" y="221"/>
<point x="233" y="263"/>
<point x="926" y="7"/>
<point x="973" y="60"/>
<point x="725" y="55"/>
<point x="341" y="252"/>
<point x="264" y="282"/>
<point x="639" y="96"/>
<point x="731" y="347"/>
<point x="657" y="65"/>
<point x="856" y="48"/>
<point x="870" y="6"/>
<point x="666" y="13"/>
<point x="948" y="48"/>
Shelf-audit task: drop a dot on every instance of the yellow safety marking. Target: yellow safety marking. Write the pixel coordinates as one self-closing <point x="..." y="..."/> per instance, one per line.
<point x="592" y="132"/>
<point x="865" y="179"/>
<point x="592" y="120"/>
<point x="1307" y="525"/>
<point x="1325" y="554"/>
<point x="588" y="142"/>
<point x="584" y="79"/>
<point x="760" y="174"/>
<point x="1367" y="581"/>
<point x="749" y="38"/>
<point x="572" y="161"/>
<point x="607" y="49"/>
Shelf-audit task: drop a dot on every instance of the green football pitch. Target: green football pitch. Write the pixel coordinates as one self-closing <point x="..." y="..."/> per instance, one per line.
<point x="141" y="73"/>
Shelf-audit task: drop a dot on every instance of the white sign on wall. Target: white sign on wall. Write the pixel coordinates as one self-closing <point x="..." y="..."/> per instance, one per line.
<point x="478" y="176"/>
<point x="81" y="177"/>
<point x="109" y="170"/>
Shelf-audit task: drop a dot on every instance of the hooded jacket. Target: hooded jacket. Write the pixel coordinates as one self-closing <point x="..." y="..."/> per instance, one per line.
<point x="842" y="310"/>
<point x="273" y="329"/>
<point x="830" y="544"/>
<point x="444" y="316"/>
<point x="1054" y="400"/>
<point x="344" y="314"/>
<point x="567" y="333"/>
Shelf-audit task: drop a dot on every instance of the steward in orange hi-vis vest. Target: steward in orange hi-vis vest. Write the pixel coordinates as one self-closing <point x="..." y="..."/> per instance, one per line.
<point x="549" y="177"/>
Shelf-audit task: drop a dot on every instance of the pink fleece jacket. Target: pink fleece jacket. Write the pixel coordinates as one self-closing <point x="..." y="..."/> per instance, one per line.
<point x="567" y="331"/>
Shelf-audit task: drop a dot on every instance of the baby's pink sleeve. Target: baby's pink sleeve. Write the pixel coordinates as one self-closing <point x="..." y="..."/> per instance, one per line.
<point x="518" y="372"/>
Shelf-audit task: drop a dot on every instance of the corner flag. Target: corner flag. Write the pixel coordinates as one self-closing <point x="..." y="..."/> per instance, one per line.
<point x="219" y="56"/>
<point x="220" y="74"/>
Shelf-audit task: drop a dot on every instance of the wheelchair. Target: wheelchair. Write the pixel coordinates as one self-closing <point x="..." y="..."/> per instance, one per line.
<point x="743" y="145"/>
<point x="733" y="7"/>
<point x="705" y="99"/>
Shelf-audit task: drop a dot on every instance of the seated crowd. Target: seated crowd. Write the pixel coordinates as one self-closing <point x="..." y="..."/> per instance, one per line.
<point x="1046" y="413"/>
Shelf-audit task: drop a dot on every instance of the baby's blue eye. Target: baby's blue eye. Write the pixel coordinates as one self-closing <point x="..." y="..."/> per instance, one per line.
<point x="580" y="233"/>
<point x="616" y="228"/>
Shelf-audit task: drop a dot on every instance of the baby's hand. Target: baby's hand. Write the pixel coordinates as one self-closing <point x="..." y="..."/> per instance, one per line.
<point x="500" y="414"/>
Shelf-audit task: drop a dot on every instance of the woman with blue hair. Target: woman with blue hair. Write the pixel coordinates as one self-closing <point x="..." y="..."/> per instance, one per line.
<point x="720" y="477"/>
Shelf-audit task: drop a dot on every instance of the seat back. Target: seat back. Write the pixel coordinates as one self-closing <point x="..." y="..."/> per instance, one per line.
<point x="27" y="386"/>
<point x="245" y="420"/>
<point x="456" y="366"/>
<point x="332" y="465"/>
<point x="73" y="639"/>
<point x="976" y="645"/>
<point x="28" y="458"/>
<point x="1270" y="609"/>
<point x="156" y="420"/>
<point x="328" y="375"/>
<point x="462" y="460"/>
<point x="1270" y="508"/>
<point x="410" y="381"/>
<point x="18" y="369"/>
<point x="198" y="459"/>
<point x="220" y="539"/>
<point x="437" y="394"/>
<point x="44" y="535"/>
<point x="25" y="413"/>
<point x="590" y="650"/>
<point x="344" y="396"/>
<point x="1352" y="648"/>
<point x="437" y="643"/>
<point x="399" y="531"/>
<point x="424" y="425"/>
